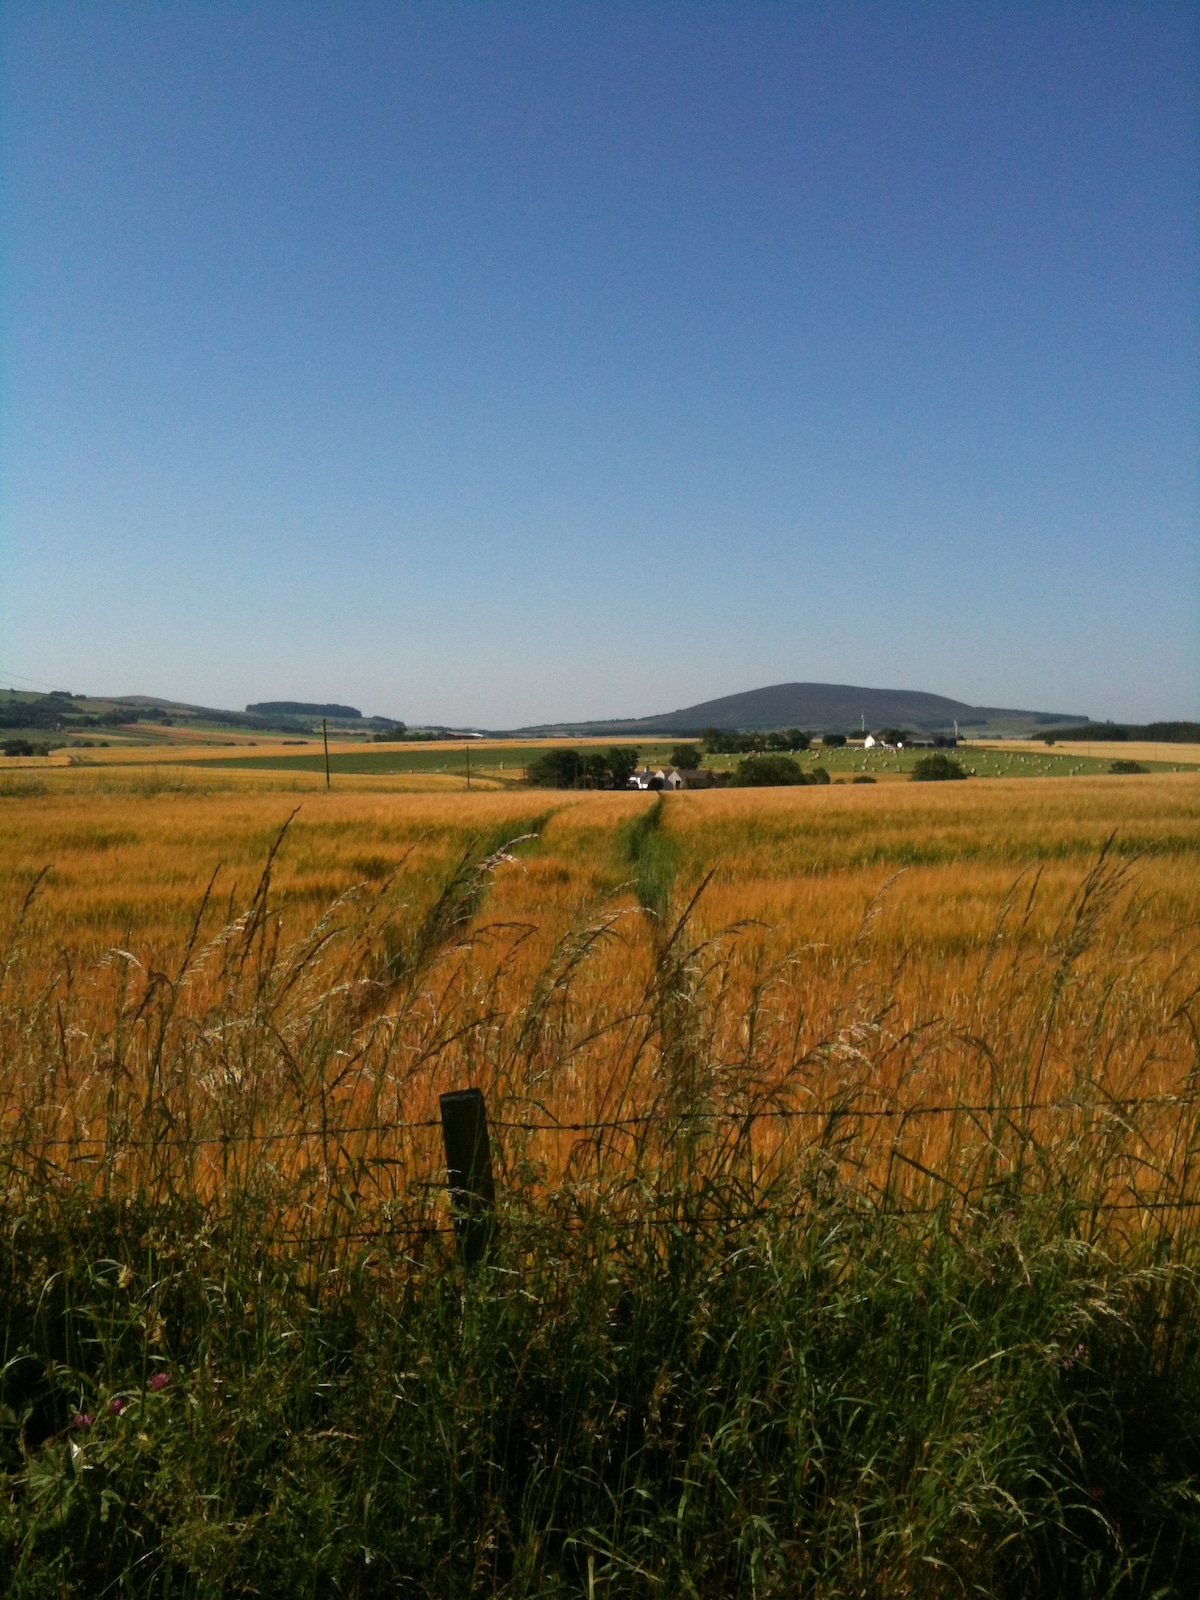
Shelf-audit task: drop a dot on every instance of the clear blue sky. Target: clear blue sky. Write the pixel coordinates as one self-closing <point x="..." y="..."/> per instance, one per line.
<point x="493" y="363"/>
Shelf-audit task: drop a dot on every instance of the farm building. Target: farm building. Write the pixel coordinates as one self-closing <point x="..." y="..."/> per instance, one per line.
<point x="669" y="778"/>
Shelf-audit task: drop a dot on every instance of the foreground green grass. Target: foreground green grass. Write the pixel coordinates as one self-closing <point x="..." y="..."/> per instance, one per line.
<point x="834" y="1405"/>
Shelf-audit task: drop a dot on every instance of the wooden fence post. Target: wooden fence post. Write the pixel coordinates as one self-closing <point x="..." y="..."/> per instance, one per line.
<point x="469" y="1173"/>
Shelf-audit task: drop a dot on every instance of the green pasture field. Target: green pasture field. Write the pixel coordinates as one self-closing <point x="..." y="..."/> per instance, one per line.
<point x="504" y="762"/>
<point x="978" y="760"/>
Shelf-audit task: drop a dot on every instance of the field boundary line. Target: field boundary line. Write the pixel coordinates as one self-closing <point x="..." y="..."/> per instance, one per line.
<point x="635" y="1120"/>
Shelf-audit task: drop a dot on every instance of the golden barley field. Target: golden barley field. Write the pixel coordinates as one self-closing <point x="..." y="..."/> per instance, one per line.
<point x="917" y="1062"/>
<point x="897" y="951"/>
<point x="130" y="851"/>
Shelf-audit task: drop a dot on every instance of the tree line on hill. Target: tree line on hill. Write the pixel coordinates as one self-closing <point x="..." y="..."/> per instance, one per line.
<point x="61" y="712"/>
<point x="721" y="741"/>
<point x="303" y="708"/>
<point x="1141" y="732"/>
<point x="50" y="712"/>
<point x="401" y="733"/>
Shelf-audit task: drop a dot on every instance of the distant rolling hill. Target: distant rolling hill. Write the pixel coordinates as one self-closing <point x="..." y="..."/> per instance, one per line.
<point x="821" y="707"/>
<point x="301" y="708"/>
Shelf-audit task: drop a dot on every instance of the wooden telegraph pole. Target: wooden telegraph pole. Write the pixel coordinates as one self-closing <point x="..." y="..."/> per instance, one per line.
<point x="325" y="740"/>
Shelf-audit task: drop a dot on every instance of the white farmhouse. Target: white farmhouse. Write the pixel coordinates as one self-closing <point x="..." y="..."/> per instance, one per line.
<point x="669" y="778"/>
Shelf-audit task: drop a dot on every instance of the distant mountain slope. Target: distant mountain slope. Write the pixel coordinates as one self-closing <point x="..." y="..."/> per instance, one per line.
<point x="60" y="712"/>
<point x="840" y="707"/>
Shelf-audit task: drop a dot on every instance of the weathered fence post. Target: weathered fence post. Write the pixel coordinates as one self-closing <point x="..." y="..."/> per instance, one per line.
<point x="469" y="1172"/>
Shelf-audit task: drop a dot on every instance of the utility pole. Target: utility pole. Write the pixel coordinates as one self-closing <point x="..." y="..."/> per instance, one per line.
<point x="325" y="741"/>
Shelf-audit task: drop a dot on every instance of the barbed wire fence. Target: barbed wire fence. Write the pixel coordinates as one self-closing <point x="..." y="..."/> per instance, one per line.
<point x="467" y="1171"/>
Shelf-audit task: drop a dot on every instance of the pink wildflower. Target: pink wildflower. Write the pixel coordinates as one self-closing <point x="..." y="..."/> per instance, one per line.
<point x="116" y="1405"/>
<point x="81" y="1419"/>
<point x="1074" y="1358"/>
<point x="160" y="1380"/>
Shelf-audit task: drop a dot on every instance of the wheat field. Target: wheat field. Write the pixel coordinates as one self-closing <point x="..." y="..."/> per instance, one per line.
<point x="845" y="1143"/>
<point x="916" y="894"/>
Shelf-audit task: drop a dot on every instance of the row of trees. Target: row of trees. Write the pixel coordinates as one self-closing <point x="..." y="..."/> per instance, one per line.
<point x="720" y="741"/>
<point x="775" y="771"/>
<point x="400" y="733"/>
<point x="568" y="769"/>
<point x="771" y="771"/>
<point x="610" y="769"/>
<point x="59" y="712"/>
<point x="1116" y="732"/>
<point x="55" y="713"/>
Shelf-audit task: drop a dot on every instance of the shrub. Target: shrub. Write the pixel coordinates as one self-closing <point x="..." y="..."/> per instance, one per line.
<point x="720" y="742"/>
<point x="1128" y="766"/>
<point x="786" y="739"/>
<point x="864" y="777"/>
<point x="21" y="747"/>
<point x="937" y="768"/>
<point x="1109" y="732"/>
<point x="834" y="741"/>
<point x="762" y="772"/>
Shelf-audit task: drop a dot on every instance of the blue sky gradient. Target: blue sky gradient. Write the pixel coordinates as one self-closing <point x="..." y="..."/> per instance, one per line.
<point x="488" y="364"/>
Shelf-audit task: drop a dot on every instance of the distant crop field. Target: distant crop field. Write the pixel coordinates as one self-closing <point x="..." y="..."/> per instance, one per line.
<point x="501" y="764"/>
<point x="497" y="762"/>
<point x="131" y="848"/>
<point x="445" y="764"/>
<point x="1166" y="755"/>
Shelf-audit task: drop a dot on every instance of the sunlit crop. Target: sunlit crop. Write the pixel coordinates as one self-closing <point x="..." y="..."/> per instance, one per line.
<point x="837" y="1132"/>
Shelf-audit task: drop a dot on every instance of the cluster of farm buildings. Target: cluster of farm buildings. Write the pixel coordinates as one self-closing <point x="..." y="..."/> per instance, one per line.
<point x="702" y="778"/>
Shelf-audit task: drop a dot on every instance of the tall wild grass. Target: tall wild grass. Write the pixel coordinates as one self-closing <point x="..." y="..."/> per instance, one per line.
<point x="793" y="1291"/>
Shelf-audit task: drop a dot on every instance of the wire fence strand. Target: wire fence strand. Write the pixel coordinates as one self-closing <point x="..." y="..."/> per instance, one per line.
<point x="635" y="1120"/>
<point x="94" y="1148"/>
